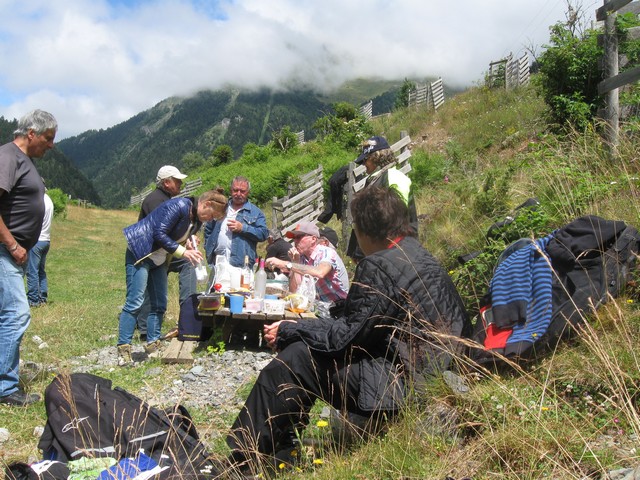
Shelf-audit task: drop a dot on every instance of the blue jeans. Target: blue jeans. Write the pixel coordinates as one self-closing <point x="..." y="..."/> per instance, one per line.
<point x="37" y="287"/>
<point x="187" y="283"/>
<point x="145" y="276"/>
<point x="14" y="320"/>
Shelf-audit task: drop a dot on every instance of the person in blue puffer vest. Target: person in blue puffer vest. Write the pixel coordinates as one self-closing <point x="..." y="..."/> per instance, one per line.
<point x="240" y="231"/>
<point x="165" y="232"/>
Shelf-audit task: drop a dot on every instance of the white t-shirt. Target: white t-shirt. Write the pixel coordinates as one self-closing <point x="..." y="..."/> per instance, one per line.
<point x="45" y="233"/>
<point x="224" y="238"/>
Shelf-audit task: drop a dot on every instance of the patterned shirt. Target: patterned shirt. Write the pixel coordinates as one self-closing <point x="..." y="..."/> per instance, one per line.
<point x="335" y="285"/>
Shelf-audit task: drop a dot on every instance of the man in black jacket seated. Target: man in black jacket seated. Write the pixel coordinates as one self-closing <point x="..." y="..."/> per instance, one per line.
<point x="397" y="329"/>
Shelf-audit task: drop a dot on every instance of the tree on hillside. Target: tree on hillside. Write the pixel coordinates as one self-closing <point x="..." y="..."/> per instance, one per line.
<point x="569" y="75"/>
<point x="569" y="71"/>
<point x="284" y="139"/>
<point x="222" y="154"/>
<point x="192" y="160"/>
<point x="402" y="99"/>
<point x="346" y="126"/>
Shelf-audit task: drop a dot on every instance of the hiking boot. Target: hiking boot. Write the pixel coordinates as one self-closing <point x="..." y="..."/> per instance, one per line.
<point x="124" y="355"/>
<point x="20" y="399"/>
<point x="153" y="348"/>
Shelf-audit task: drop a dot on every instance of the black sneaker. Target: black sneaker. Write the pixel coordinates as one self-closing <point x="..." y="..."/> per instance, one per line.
<point x="20" y="398"/>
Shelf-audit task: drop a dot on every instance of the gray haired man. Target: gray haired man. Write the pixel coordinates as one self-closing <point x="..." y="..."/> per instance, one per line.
<point x="21" y="214"/>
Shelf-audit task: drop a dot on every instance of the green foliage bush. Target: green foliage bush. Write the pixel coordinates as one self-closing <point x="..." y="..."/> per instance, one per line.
<point x="60" y="200"/>
<point x="346" y="126"/>
<point x="428" y="168"/>
<point x="569" y="75"/>
<point x="570" y="72"/>
<point x="473" y="277"/>
<point x="284" y="140"/>
<point x="402" y="98"/>
<point x="192" y="161"/>
<point x="222" y="154"/>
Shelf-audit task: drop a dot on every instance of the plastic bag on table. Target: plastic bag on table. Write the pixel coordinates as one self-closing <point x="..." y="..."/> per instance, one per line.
<point x="307" y="289"/>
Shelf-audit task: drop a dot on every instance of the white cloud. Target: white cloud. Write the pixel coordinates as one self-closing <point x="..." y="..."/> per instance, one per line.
<point x="94" y="64"/>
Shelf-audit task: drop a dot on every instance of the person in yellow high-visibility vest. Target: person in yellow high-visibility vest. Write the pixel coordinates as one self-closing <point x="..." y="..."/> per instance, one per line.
<point x="376" y="155"/>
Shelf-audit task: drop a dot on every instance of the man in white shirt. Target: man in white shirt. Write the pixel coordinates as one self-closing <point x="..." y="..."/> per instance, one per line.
<point x="37" y="286"/>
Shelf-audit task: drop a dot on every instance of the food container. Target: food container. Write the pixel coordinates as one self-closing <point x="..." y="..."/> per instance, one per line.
<point x="210" y="301"/>
<point x="253" y="305"/>
<point x="277" y="287"/>
<point x="273" y="307"/>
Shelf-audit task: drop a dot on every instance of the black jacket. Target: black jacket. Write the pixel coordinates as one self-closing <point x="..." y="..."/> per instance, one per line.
<point x="151" y="201"/>
<point x="399" y="297"/>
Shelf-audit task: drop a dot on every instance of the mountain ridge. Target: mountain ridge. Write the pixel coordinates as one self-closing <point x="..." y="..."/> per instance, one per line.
<point x="176" y="126"/>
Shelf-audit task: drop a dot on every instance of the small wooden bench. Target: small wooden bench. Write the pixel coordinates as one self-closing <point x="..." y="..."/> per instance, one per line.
<point x="178" y="352"/>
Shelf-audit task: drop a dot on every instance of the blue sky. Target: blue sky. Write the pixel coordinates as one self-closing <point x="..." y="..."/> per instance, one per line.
<point x="96" y="63"/>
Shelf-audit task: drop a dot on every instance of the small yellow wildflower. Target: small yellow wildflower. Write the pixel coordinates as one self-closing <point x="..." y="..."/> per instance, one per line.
<point x="281" y="466"/>
<point x="317" y="461"/>
<point x="322" y="424"/>
<point x="294" y="453"/>
<point x="630" y="300"/>
<point x="544" y="409"/>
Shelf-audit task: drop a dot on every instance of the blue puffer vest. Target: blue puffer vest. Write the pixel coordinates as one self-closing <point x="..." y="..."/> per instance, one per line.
<point x="162" y="227"/>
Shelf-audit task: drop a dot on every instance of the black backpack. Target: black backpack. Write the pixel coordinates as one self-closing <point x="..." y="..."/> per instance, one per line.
<point x="591" y="260"/>
<point x="87" y="417"/>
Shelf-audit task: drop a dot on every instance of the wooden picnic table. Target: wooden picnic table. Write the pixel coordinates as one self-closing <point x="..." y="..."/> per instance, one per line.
<point x="245" y="321"/>
<point x="241" y="324"/>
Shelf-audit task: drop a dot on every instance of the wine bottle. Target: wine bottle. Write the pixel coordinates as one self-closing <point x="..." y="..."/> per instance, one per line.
<point x="245" y="281"/>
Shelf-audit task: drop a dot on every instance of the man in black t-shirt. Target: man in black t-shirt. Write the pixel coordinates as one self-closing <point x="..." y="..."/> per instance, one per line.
<point x="21" y="214"/>
<point x="277" y="247"/>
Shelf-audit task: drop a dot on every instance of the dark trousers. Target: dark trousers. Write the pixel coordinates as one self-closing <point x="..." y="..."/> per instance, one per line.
<point x="283" y="395"/>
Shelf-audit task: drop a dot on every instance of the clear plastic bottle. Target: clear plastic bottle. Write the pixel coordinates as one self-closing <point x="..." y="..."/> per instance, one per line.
<point x="201" y="269"/>
<point x="260" y="286"/>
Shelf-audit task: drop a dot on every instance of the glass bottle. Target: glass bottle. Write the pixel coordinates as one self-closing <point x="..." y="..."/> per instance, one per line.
<point x="260" y="287"/>
<point x="247" y="274"/>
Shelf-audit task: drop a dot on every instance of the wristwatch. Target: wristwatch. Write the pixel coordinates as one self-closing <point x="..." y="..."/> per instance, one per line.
<point x="289" y="265"/>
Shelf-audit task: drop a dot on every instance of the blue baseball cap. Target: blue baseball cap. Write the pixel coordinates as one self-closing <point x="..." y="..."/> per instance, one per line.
<point x="371" y="145"/>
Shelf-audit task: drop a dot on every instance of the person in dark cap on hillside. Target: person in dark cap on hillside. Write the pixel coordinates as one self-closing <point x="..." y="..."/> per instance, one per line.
<point x="328" y="237"/>
<point x="168" y="185"/>
<point x="376" y="156"/>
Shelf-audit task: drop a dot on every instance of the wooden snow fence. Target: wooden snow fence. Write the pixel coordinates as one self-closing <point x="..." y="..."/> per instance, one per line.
<point x="304" y="202"/>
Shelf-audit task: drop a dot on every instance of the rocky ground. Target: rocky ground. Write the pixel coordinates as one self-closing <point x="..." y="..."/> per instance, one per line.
<point x="212" y="380"/>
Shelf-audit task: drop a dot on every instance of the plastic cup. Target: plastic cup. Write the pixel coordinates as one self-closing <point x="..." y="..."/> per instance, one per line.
<point x="235" y="303"/>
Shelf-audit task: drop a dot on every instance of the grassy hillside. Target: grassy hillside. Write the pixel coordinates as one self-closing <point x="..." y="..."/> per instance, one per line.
<point x="572" y="415"/>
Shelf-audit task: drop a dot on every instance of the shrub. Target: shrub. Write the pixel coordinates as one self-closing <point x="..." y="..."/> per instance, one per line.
<point x="60" y="200"/>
